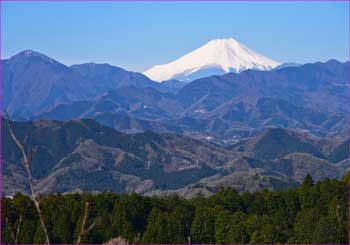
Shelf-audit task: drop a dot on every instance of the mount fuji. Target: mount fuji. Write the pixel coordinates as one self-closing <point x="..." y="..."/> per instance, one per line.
<point x="217" y="57"/>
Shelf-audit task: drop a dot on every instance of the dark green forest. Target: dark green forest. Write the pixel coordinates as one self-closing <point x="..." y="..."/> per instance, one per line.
<point x="311" y="213"/>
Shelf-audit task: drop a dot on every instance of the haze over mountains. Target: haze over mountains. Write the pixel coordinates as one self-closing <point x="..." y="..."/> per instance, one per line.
<point x="260" y="125"/>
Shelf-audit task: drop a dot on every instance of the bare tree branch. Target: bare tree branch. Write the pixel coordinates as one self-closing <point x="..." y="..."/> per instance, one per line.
<point x="25" y="139"/>
<point x="83" y="223"/>
<point x="89" y="228"/>
<point x="83" y="231"/>
<point x="18" y="228"/>
<point x="27" y="160"/>
<point x="13" y="136"/>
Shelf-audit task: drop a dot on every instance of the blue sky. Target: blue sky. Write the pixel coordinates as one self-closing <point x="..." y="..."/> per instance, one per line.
<point x="138" y="35"/>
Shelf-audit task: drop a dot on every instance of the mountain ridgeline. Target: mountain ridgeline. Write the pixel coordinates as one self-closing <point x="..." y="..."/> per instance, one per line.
<point x="82" y="155"/>
<point x="311" y="97"/>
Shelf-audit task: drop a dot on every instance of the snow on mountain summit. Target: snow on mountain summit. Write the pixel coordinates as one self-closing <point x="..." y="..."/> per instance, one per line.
<point x="216" y="57"/>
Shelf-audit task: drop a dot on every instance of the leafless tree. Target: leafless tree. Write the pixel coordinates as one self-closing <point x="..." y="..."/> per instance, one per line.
<point x="27" y="162"/>
<point x="83" y="231"/>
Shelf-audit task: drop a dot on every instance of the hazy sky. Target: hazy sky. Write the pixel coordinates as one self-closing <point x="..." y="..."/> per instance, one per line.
<point x="138" y="35"/>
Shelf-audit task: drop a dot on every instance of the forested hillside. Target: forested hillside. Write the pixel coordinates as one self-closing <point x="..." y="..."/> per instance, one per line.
<point x="83" y="155"/>
<point x="312" y="213"/>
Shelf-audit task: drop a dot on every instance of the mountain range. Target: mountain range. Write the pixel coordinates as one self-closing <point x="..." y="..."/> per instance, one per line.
<point x="311" y="97"/>
<point x="251" y="126"/>
<point x="33" y="82"/>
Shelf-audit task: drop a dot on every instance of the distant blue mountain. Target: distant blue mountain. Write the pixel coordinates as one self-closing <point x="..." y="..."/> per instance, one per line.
<point x="107" y="77"/>
<point x="34" y="82"/>
<point x="173" y="84"/>
<point x="311" y="97"/>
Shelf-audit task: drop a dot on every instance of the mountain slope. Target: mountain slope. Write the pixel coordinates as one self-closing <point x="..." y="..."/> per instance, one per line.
<point x="144" y="103"/>
<point x="82" y="154"/>
<point x="278" y="142"/>
<point x="217" y="57"/>
<point x="318" y="85"/>
<point x="340" y="152"/>
<point x="34" y="82"/>
<point x="108" y="77"/>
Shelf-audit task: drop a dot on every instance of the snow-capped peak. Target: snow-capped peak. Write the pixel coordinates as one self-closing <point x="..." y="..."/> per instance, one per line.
<point x="216" y="57"/>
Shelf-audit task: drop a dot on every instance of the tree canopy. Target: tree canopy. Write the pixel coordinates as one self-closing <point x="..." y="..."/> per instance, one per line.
<point x="311" y="213"/>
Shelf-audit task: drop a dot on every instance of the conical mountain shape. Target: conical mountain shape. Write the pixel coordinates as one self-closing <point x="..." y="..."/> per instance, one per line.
<point x="216" y="57"/>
